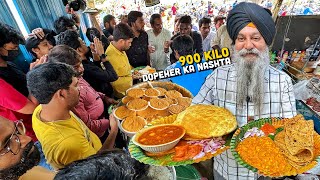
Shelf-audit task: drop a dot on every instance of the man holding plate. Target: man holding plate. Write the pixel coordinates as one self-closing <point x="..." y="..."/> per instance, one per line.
<point x="250" y="88"/>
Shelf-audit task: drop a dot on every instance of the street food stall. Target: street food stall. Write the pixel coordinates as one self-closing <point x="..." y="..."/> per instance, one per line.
<point x="296" y="51"/>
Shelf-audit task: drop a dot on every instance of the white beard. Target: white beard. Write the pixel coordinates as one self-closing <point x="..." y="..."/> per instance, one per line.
<point x="250" y="77"/>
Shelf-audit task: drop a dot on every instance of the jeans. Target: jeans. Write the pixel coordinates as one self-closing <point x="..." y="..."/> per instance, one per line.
<point x="43" y="161"/>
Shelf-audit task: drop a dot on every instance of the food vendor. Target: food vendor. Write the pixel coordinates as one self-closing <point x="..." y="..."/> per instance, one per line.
<point x="250" y="88"/>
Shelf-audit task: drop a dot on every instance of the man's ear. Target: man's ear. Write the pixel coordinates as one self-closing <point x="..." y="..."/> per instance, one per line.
<point x="35" y="50"/>
<point x="61" y="94"/>
<point x="121" y="42"/>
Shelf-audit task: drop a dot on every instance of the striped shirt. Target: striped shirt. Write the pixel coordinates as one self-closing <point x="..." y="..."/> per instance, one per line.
<point x="220" y="89"/>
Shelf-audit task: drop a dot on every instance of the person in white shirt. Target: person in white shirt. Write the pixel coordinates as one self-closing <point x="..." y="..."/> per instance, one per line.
<point x="158" y="36"/>
<point x="206" y="34"/>
<point x="249" y="88"/>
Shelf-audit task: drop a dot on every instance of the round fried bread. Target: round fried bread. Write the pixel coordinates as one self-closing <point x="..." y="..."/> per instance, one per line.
<point x="296" y="141"/>
<point x="206" y="121"/>
<point x="299" y="160"/>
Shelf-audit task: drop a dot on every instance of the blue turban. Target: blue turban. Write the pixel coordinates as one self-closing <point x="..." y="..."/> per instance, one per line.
<point x="244" y="13"/>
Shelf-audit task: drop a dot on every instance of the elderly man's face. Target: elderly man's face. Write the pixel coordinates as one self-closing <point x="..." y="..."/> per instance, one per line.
<point x="252" y="57"/>
<point x="249" y="38"/>
<point x="17" y="152"/>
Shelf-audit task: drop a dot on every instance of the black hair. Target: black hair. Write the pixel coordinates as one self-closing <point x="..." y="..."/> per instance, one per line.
<point x="64" y="54"/>
<point x="91" y="33"/>
<point x="186" y="19"/>
<point x="33" y="42"/>
<point x="183" y="44"/>
<point x="133" y="16"/>
<point x="204" y="20"/>
<point x="107" y="18"/>
<point x="69" y="38"/>
<point x="122" y="31"/>
<point x="9" y="34"/>
<point x="113" y="164"/>
<point x="75" y="4"/>
<point x="46" y="79"/>
<point x="153" y="17"/>
<point x="63" y="23"/>
<point x="94" y="32"/>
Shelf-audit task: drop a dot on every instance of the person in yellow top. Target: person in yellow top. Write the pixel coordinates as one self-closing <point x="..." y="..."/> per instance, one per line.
<point x="122" y="36"/>
<point x="63" y="136"/>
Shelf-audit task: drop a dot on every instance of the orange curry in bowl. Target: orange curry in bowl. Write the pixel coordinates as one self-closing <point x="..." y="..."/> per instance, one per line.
<point x="161" y="135"/>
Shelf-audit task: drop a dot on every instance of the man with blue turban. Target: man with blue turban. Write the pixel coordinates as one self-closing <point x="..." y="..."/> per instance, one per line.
<point x="249" y="88"/>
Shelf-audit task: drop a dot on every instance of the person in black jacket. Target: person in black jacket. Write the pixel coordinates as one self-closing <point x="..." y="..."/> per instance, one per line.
<point x="109" y="22"/>
<point x="185" y="29"/>
<point x="98" y="73"/>
<point x="138" y="53"/>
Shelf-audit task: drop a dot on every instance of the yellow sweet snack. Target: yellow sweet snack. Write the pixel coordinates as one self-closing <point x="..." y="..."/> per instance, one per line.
<point x="123" y="112"/>
<point x="159" y="104"/>
<point x="137" y="104"/>
<point x="133" y="123"/>
<point x="135" y="92"/>
<point x="152" y="92"/>
<point x="173" y="94"/>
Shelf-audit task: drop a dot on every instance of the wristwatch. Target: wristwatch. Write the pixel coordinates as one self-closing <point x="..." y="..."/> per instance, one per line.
<point x="103" y="56"/>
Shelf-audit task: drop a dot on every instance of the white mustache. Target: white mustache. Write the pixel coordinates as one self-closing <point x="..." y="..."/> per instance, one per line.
<point x="244" y="52"/>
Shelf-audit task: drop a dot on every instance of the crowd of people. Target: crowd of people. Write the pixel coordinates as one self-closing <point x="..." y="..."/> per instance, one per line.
<point x="56" y="116"/>
<point x="198" y="9"/>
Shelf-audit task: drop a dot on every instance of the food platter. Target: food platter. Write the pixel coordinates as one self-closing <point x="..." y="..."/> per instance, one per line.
<point x="141" y="70"/>
<point x="168" y="160"/>
<point x="138" y="103"/>
<point x="271" y="151"/>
